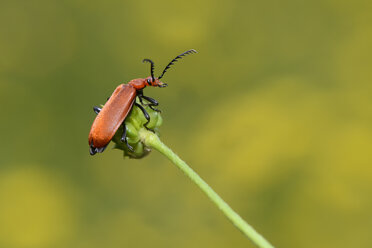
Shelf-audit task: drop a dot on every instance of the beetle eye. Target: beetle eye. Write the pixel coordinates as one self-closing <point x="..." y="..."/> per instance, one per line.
<point x="149" y="81"/>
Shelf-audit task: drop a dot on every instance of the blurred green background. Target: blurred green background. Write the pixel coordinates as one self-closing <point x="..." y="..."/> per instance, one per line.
<point x="274" y="112"/>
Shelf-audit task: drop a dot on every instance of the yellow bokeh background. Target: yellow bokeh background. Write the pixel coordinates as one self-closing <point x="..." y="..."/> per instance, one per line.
<point x="274" y="112"/>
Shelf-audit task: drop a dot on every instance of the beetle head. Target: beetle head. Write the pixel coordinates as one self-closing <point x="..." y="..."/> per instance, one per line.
<point x="150" y="81"/>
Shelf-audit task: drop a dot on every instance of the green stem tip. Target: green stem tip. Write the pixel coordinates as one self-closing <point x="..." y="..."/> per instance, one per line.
<point x="152" y="140"/>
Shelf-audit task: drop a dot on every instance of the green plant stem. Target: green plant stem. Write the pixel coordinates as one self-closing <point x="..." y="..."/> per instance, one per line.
<point x="153" y="141"/>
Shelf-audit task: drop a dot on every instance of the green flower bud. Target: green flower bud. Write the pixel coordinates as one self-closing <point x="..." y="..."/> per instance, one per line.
<point x="134" y="122"/>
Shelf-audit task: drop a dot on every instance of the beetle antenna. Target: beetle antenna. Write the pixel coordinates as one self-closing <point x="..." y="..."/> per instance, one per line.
<point x="152" y="67"/>
<point x="175" y="60"/>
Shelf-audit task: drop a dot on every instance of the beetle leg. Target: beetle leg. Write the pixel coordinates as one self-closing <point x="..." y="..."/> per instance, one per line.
<point x="101" y="149"/>
<point x="140" y="95"/>
<point x="151" y="100"/>
<point x="152" y="103"/>
<point x="124" y="138"/>
<point x="96" y="110"/>
<point x="141" y="100"/>
<point x="93" y="150"/>
<point x="147" y="116"/>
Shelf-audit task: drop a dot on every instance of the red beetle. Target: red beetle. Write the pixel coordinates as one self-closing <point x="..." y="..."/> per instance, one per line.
<point x="119" y="105"/>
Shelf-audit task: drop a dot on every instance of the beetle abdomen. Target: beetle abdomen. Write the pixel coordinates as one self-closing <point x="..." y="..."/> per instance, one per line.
<point x="112" y="116"/>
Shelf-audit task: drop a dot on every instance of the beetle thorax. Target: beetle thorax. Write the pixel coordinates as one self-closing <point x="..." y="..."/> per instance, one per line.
<point x="138" y="83"/>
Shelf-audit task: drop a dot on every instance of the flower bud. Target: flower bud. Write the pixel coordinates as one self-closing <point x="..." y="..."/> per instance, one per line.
<point x="134" y="122"/>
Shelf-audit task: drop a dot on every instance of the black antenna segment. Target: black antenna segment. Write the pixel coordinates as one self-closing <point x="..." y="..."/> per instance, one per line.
<point x="152" y="67"/>
<point x="175" y="60"/>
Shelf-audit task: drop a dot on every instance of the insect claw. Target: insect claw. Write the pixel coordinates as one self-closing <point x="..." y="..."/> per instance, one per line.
<point x="92" y="151"/>
<point x="130" y="148"/>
